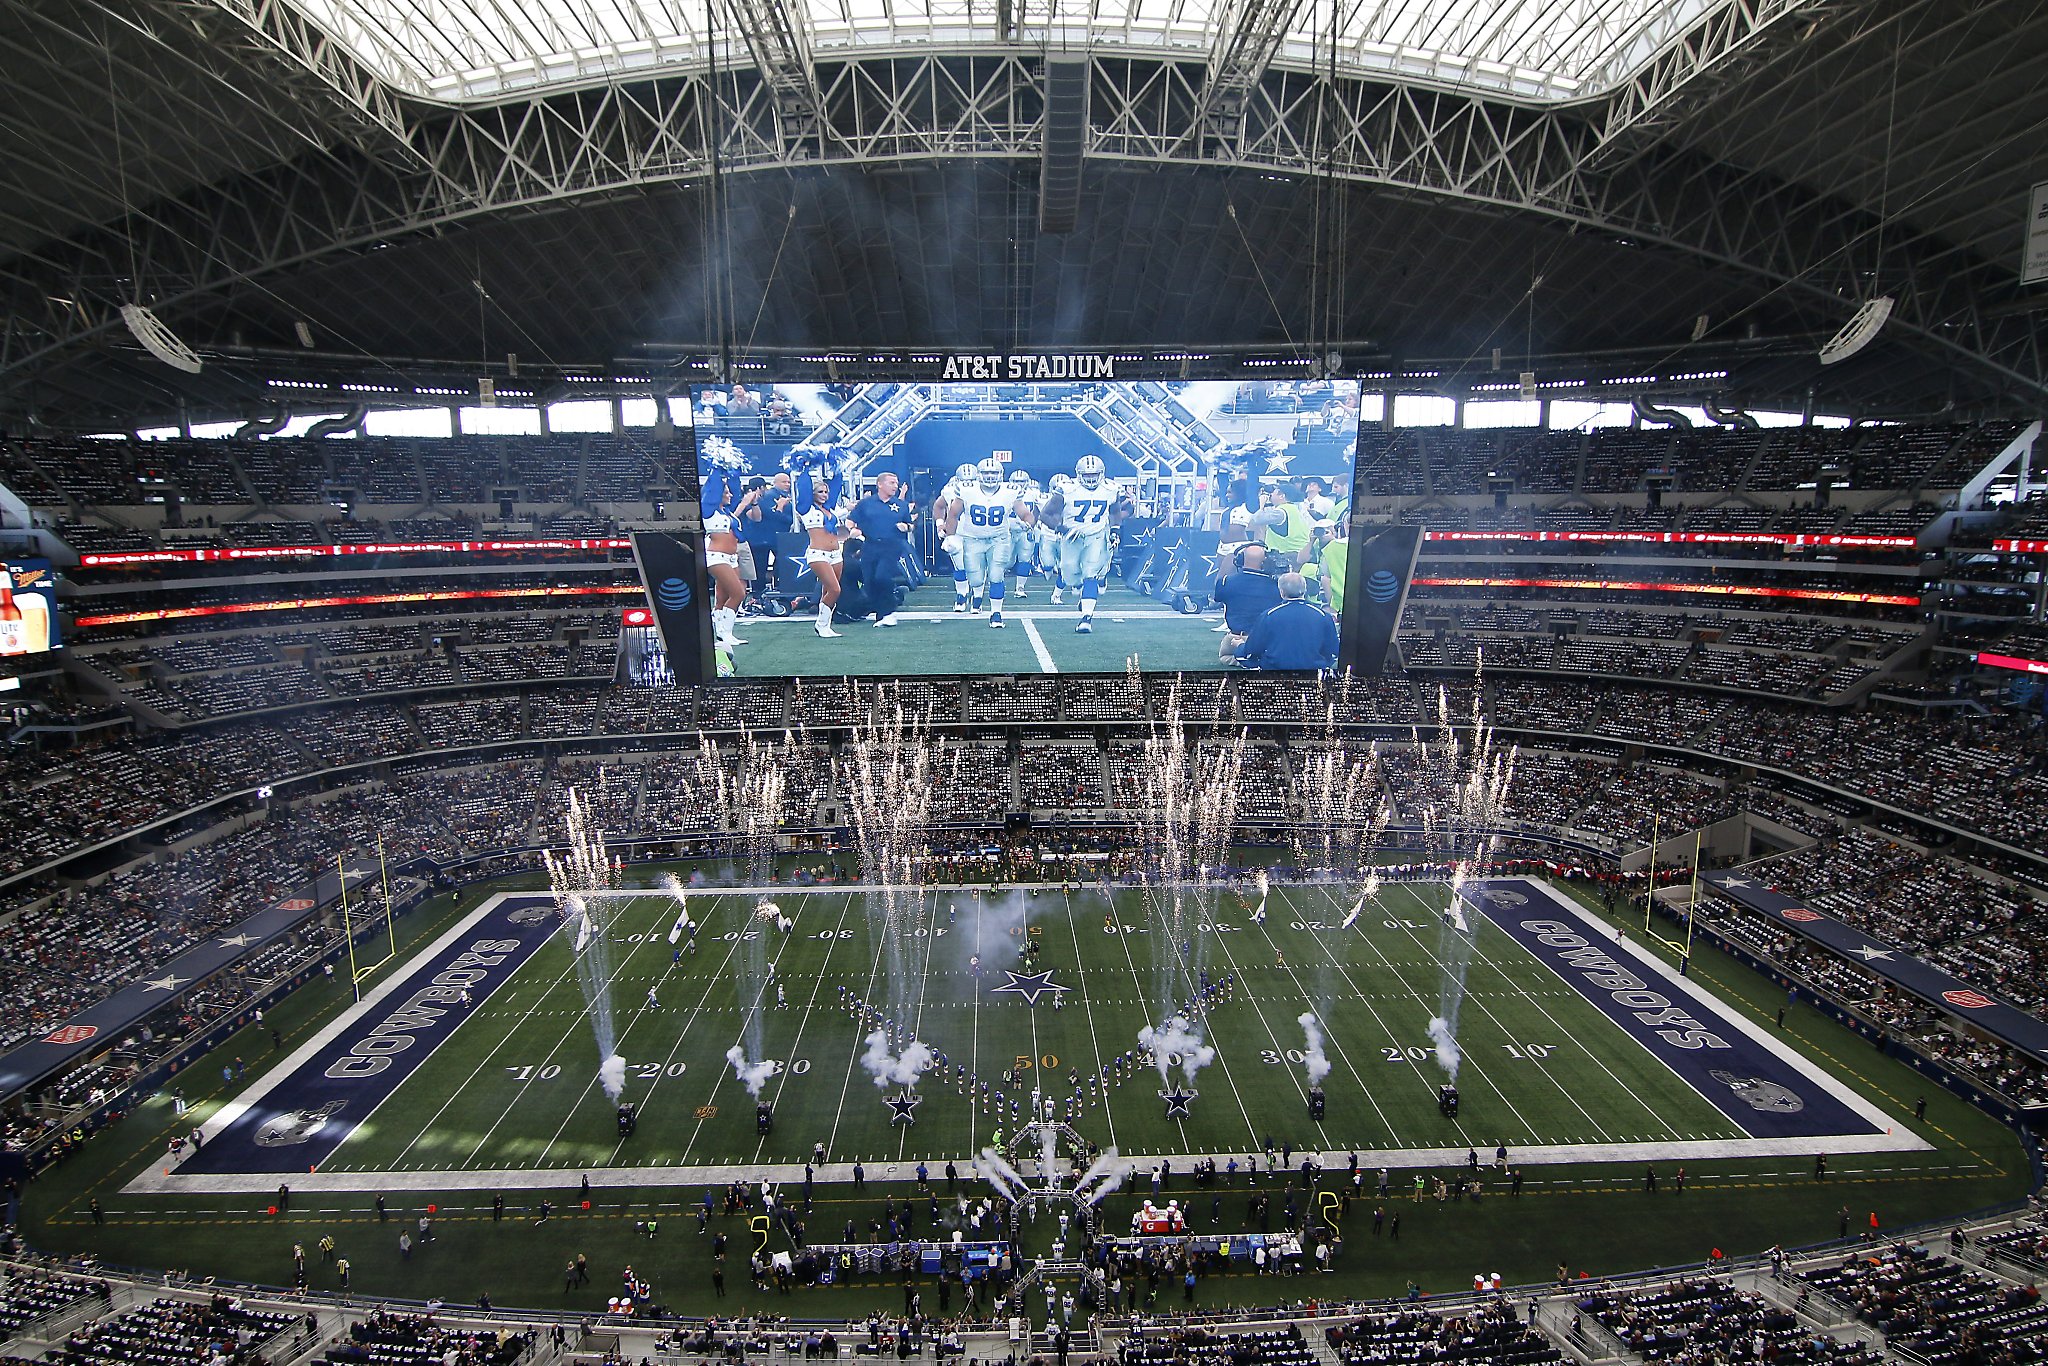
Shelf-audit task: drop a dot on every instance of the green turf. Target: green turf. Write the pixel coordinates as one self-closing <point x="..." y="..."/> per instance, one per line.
<point x="1596" y="1218"/>
<point x="515" y="1085"/>
<point x="1125" y="624"/>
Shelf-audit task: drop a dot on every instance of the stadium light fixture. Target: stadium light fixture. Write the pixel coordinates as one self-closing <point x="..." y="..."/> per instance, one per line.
<point x="159" y="340"/>
<point x="1859" y="331"/>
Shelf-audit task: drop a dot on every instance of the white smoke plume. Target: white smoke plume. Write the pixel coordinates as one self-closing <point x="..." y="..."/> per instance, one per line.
<point x="890" y="1069"/>
<point x="611" y="1074"/>
<point x="1445" y="1036"/>
<point x="752" y="1075"/>
<point x="994" y="1168"/>
<point x="673" y="885"/>
<point x="1109" y="1169"/>
<point x="1177" y="1036"/>
<point x="1317" y="1062"/>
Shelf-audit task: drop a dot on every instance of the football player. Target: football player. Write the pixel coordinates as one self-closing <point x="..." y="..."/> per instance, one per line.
<point x="981" y="519"/>
<point x="1078" y="517"/>
<point x="1024" y="528"/>
<point x="964" y="478"/>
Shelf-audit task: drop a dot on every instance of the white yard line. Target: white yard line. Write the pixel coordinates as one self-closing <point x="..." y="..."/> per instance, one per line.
<point x="1222" y="1060"/>
<point x="1308" y="1001"/>
<point x="1541" y="1066"/>
<point x="1045" y="664"/>
<point x="924" y="978"/>
<point x="618" y="1046"/>
<point x="1088" y="1006"/>
<point x="803" y="1020"/>
<point x="860" y="1033"/>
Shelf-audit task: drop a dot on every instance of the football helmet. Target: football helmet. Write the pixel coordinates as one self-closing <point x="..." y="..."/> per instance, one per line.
<point x="991" y="475"/>
<point x="1019" y="480"/>
<point x="963" y="475"/>
<point x="1089" y="469"/>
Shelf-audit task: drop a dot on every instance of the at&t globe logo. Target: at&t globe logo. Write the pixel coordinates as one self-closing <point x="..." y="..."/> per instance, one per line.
<point x="1382" y="585"/>
<point x="673" y="594"/>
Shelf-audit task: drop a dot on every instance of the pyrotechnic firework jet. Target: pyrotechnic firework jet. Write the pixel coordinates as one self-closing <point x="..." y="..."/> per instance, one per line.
<point x="749" y="1058"/>
<point x="1454" y="955"/>
<point x="1344" y="814"/>
<point x="742" y="792"/>
<point x="1316" y="1063"/>
<point x="1187" y="805"/>
<point x="888" y="771"/>
<point x="757" y="974"/>
<point x="1466" y="785"/>
<point x="580" y="876"/>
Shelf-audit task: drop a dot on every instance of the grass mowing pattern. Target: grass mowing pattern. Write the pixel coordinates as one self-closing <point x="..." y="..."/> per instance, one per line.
<point x="515" y="1086"/>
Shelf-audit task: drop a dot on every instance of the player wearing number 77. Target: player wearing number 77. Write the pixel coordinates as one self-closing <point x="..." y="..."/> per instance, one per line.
<point x="1079" y="517"/>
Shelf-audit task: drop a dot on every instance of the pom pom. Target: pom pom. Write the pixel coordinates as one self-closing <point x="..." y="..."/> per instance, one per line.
<point x="716" y="450"/>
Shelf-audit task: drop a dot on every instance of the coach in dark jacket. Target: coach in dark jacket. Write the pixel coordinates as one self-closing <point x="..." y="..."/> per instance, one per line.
<point x="1295" y="635"/>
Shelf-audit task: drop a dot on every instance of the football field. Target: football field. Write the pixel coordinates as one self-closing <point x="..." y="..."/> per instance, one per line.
<point x="1574" y="1045"/>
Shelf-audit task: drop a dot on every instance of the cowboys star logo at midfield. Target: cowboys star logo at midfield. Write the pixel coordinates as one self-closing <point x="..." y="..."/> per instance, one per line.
<point x="902" y="1106"/>
<point x="1759" y="1094"/>
<point x="1177" y="1101"/>
<point x="1031" y="985"/>
<point x="298" y="1126"/>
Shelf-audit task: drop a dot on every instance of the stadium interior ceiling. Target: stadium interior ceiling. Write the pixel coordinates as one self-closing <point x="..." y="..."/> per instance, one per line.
<point x="1616" y="193"/>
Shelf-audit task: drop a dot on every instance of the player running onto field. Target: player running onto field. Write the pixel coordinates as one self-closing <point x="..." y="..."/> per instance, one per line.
<point x="1078" y="518"/>
<point x="981" y="517"/>
<point x="1025" y="538"/>
<point x="965" y="477"/>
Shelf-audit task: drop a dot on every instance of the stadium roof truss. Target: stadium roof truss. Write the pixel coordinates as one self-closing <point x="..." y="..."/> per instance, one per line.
<point x="448" y="110"/>
<point x="1541" y="50"/>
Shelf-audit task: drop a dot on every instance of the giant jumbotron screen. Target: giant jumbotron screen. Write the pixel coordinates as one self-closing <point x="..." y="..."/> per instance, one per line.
<point x="1013" y="528"/>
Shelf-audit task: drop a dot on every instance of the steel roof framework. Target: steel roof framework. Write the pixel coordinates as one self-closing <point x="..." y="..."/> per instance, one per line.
<point x="415" y="169"/>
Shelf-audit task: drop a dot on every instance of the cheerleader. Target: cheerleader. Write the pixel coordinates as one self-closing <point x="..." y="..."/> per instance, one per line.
<point x="719" y="471"/>
<point x="819" y="483"/>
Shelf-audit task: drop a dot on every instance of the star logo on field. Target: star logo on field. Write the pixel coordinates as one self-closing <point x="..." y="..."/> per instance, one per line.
<point x="239" y="941"/>
<point x="1030" y="985"/>
<point x="1871" y="953"/>
<point x="902" y="1106"/>
<point x="1735" y="882"/>
<point x="1177" y="1101"/>
<point x="1277" y="462"/>
<point x="167" y="982"/>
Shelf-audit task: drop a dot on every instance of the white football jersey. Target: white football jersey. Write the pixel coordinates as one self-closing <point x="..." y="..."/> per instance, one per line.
<point x="985" y="514"/>
<point x="1087" y="511"/>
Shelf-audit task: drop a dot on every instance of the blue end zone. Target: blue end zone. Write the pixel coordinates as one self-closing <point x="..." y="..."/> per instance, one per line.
<point x="305" y="1114"/>
<point x="1766" y="1094"/>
